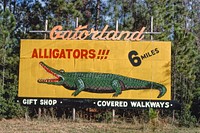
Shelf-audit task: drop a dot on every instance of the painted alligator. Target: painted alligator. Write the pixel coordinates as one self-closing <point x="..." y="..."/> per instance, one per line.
<point x="98" y="82"/>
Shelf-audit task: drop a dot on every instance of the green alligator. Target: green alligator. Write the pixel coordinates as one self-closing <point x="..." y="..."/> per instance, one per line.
<point x="98" y="82"/>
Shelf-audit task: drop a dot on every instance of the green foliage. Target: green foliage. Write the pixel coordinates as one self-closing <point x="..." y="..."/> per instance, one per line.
<point x="60" y="12"/>
<point x="187" y="119"/>
<point x="104" y="117"/>
<point x="152" y="114"/>
<point x="9" y="61"/>
<point x="185" y="58"/>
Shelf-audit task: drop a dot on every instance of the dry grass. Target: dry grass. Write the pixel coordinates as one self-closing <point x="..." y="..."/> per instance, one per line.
<point x="66" y="126"/>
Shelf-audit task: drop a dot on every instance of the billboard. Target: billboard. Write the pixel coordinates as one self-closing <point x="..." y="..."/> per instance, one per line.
<point x="95" y="70"/>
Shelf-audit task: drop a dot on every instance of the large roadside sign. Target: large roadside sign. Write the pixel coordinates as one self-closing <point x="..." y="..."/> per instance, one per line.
<point x="95" y="73"/>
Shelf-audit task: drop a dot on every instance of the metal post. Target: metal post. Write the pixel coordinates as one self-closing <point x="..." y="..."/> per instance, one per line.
<point x="113" y="115"/>
<point x="113" y="111"/>
<point x="76" y="22"/>
<point x="45" y="37"/>
<point x="74" y="114"/>
<point x="46" y="27"/>
<point x="151" y="27"/>
<point x="74" y="110"/>
<point x="117" y="25"/>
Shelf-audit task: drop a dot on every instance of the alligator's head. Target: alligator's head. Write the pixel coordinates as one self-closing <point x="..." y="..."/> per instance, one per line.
<point x="58" y="75"/>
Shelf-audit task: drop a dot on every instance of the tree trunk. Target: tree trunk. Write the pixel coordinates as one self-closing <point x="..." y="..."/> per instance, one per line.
<point x="97" y="14"/>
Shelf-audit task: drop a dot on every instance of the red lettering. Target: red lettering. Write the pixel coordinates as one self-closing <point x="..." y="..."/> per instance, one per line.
<point x="55" y="53"/>
<point x="40" y="53"/>
<point x="50" y="53"/>
<point x="84" y="53"/>
<point x="45" y="53"/>
<point x="76" y="53"/>
<point x="92" y="54"/>
<point x="69" y="53"/>
<point x="62" y="53"/>
<point x="34" y="53"/>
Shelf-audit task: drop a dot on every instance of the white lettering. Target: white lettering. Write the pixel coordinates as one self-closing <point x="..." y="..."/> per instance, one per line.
<point x="162" y="104"/>
<point x="29" y="101"/>
<point x="48" y="101"/>
<point x="167" y="105"/>
<point x="133" y="104"/>
<point x="112" y="104"/>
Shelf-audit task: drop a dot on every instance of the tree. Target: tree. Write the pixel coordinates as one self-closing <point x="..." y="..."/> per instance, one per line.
<point x="9" y="61"/>
<point x="185" y="58"/>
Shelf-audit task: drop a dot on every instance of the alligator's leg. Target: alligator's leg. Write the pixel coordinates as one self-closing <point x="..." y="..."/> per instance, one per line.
<point x="118" y="86"/>
<point x="80" y="86"/>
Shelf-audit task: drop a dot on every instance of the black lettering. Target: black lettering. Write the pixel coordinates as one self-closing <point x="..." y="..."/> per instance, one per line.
<point x="156" y="50"/>
<point x="134" y="59"/>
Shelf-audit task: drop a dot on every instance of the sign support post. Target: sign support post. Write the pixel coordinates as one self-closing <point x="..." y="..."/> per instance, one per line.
<point x="151" y="28"/>
<point x="113" y="111"/>
<point x="74" y="114"/>
<point x="74" y="110"/>
<point x="45" y="37"/>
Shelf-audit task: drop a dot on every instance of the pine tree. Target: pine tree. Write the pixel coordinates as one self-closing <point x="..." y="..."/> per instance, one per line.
<point x="63" y="12"/>
<point x="9" y="71"/>
<point x="185" y="57"/>
<point x="194" y="26"/>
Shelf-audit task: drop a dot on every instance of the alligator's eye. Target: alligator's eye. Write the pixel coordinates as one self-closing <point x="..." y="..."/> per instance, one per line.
<point x="61" y="78"/>
<point x="62" y="71"/>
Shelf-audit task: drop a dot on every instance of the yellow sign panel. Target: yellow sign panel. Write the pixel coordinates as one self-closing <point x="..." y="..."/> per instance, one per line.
<point x="95" y="69"/>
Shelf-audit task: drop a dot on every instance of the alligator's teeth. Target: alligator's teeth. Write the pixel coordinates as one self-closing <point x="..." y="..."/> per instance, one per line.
<point x="48" y="80"/>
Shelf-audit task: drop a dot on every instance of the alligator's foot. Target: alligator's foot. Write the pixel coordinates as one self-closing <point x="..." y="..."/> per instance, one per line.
<point x="75" y="93"/>
<point x="116" y="85"/>
<point x="116" y="94"/>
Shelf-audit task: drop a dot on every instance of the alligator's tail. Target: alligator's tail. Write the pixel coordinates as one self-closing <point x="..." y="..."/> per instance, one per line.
<point x="159" y="87"/>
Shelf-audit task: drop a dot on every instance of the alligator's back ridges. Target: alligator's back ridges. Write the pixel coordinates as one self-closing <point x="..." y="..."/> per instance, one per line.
<point x="96" y="75"/>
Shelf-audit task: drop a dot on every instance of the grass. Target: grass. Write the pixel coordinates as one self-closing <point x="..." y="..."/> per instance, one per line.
<point x="51" y="125"/>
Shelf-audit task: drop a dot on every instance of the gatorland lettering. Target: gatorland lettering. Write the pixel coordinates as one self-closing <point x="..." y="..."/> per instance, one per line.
<point x="81" y="33"/>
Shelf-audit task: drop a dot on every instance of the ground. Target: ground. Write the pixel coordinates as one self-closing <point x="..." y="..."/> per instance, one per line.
<point x="67" y="126"/>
